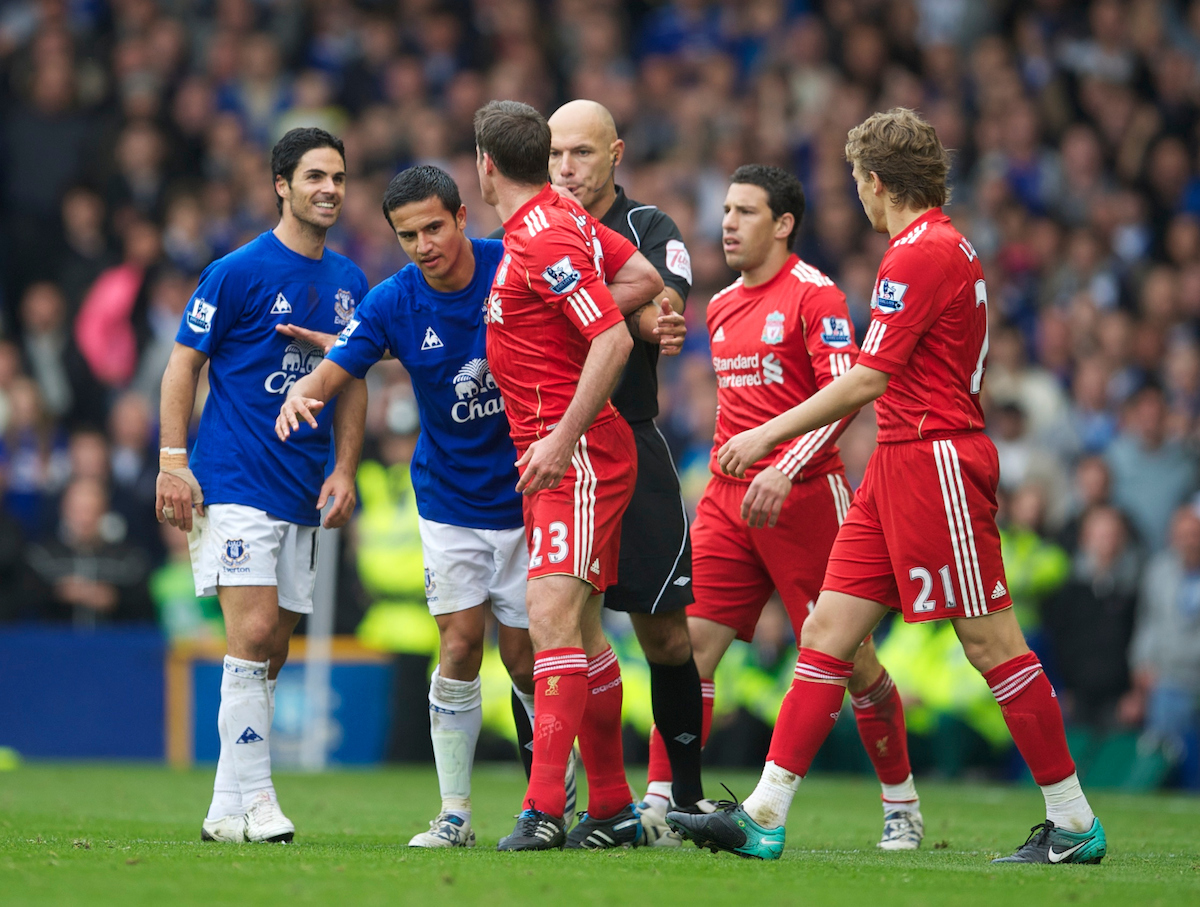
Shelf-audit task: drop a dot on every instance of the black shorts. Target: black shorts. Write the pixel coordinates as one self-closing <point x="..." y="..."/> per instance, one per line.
<point x="654" y="575"/>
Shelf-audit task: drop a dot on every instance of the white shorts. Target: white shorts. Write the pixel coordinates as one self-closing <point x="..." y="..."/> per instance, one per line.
<point x="466" y="567"/>
<point x="235" y="545"/>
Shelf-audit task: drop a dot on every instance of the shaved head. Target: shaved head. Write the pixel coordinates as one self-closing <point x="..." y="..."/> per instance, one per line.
<point x="584" y="116"/>
<point x="584" y="153"/>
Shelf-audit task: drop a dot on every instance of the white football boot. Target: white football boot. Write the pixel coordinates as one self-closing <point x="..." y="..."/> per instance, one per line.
<point x="266" y="823"/>
<point x="902" y="830"/>
<point x="446" y="830"/>
<point x="654" y="824"/>
<point x="225" y="830"/>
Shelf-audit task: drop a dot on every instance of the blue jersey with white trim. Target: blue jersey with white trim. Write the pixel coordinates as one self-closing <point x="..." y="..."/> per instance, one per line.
<point x="231" y="318"/>
<point x="463" y="470"/>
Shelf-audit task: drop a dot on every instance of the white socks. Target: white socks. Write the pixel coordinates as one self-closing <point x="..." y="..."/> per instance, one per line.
<point x="245" y="718"/>
<point x="772" y="797"/>
<point x="227" y="794"/>
<point x="901" y="797"/>
<point x="1066" y="806"/>
<point x="658" y="795"/>
<point x="455" y="718"/>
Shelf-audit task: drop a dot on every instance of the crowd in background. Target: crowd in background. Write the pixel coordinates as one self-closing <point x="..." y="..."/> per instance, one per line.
<point x="134" y="139"/>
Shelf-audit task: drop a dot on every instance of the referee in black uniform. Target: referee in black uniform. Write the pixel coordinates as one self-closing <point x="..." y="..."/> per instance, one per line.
<point x="655" y="571"/>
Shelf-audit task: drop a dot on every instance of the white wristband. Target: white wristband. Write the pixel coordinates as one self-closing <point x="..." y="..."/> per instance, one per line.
<point x="172" y="450"/>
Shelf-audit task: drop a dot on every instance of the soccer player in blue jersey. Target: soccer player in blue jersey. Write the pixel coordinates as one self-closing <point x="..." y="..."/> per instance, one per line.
<point x="257" y="504"/>
<point x="430" y="316"/>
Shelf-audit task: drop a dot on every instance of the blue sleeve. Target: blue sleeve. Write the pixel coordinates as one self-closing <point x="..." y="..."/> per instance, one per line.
<point x="216" y="306"/>
<point x="363" y="340"/>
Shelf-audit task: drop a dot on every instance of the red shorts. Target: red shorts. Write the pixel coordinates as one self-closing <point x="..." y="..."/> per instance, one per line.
<point x="735" y="568"/>
<point x="575" y="528"/>
<point x="921" y="535"/>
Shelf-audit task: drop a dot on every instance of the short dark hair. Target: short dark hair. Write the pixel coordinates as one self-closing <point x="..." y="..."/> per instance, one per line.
<point x="417" y="184"/>
<point x="785" y="194"/>
<point x="517" y="138"/>
<point x="294" y="145"/>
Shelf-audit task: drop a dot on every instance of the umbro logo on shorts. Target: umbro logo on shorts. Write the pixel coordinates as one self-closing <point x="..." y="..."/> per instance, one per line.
<point x="685" y="738"/>
<point x="682" y="581"/>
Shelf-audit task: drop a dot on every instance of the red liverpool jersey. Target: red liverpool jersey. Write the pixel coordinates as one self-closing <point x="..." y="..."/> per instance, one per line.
<point x="929" y="331"/>
<point x="773" y="347"/>
<point x="548" y="302"/>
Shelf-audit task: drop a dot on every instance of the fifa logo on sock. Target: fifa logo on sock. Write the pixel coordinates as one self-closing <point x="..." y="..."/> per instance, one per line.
<point x="552" y="685"/>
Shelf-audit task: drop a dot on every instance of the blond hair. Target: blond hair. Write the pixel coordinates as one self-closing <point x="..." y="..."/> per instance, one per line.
<point x="906" y="153"/>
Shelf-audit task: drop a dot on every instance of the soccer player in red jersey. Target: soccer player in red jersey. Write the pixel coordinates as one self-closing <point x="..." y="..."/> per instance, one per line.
<point x="556" y="344"/>
<point x="778" y="334"/>
<point x="921" y="535"/>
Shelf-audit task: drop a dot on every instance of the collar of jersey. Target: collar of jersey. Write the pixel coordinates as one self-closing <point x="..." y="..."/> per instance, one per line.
<point x="546" y="197"/>
<point x="930" y="215"/>
<point x="292" y="252"/>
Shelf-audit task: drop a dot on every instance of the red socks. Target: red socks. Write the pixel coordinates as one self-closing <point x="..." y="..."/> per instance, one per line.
<point x="809" y="710"/>
<point x="660" y="766"/>
<point x="560" y="689"/>
<point x="880" y="717"/>
<point x="600" y="738"/>
<point x="1031" y="711"/>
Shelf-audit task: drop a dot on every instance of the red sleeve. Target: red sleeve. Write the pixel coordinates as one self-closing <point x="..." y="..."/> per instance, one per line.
<point x="908" y="297"/>
<point x="829" y="338"/>
<point x="562" y="272"/>
<point x="617" y="250"/>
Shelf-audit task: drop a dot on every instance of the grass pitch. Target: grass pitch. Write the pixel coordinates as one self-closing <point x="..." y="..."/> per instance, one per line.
<point x="129" y="835"/>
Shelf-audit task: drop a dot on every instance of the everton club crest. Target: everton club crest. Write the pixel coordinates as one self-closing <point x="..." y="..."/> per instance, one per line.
<point x="773" y="329"/>
<point x="343" y="307"/>
<point x="235" y="553"/>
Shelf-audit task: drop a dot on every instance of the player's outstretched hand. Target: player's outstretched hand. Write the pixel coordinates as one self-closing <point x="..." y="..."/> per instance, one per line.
<point x="764" y="498"/>
<point x="293" y="410"/>
<point x="340" y="487"/>
<point x="742" y="451"/>
<point x="316" y="338"/>
<point x="542" y="465"/>
<point x="671" y="329"/>
<point x="174" y="499"/>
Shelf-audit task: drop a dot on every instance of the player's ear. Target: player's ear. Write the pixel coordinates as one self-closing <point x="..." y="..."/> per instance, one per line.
<point x="876" y="183"/>
<point x="460" y="217"/>
<point x="785" y="225"/>
<point x="618" y="151"/>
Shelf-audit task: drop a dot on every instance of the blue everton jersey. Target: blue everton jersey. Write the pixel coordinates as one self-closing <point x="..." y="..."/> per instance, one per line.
<point x="462" y="469"/>
<point x="231" y="318"/>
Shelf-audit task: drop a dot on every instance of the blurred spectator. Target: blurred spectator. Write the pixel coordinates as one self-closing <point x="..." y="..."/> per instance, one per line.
<point x="87" y="251"/>
<point x="1151" y="473"/>
<point x="22" y="593"/>
<point x="108" y="328"/>
<point x="1034" y="566"/>
<point x="33" y="456"/>
<point x="92" y="581"/>
<point x="134" y="468"/>
<point x="1023" y="460"/>
<point x="1089" y="621"/>
<point x="1165" y="654"/>
<point x="68" y="389"/>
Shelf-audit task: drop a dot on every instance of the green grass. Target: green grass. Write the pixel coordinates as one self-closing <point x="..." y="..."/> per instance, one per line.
<point x="129" y="835"/>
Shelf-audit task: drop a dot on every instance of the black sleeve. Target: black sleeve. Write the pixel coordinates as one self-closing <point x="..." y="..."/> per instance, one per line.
<point x="657" y="237"/>
<point x="498" y="233"/>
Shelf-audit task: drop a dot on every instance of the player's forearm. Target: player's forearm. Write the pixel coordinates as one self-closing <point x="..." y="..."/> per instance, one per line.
<point x="178" y="397"/>
<point x="601" y="371"/>
<point x="637" y="283"/>
<point x="349" y="424"/>
<point x="834" y="401"/>
<point x="323" y="383"/>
